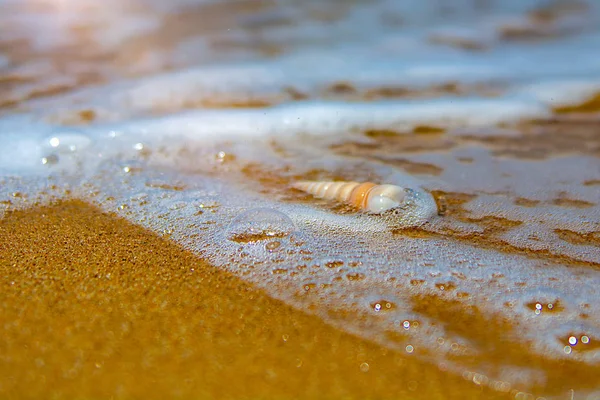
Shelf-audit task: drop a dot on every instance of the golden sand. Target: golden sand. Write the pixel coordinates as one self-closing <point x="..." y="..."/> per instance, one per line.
<point x="95" y="307"/>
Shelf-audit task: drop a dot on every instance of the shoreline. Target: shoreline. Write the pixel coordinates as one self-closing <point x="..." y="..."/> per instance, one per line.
<point x="94" y="306"/>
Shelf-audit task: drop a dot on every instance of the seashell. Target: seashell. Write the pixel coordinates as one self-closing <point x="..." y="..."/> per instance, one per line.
<point x="368" y="197"/>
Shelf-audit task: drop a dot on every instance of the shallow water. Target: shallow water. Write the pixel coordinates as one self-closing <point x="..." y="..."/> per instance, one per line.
<point x="195" y="119"/>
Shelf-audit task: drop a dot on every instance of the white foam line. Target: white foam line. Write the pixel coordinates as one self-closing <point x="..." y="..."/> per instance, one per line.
<point x="561" y="92"/>
<point x="312" y="117"/>
<point x="325" y="118"/>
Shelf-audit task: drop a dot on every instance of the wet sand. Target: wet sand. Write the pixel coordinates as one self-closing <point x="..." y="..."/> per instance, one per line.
<point x="95" y="307"/>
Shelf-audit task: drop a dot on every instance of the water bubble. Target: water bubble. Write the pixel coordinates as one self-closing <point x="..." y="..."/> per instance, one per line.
<point x="223" y="157"/>
<point x="67" y="142"/>
<point x="383" y="305"/>
<point x="355" y="276"/>
<point x="278" y="271"/>
<point x="334" y="264"/>
<point x="585" y="339"/>
<point x="309" y="286"/>
<point x="545" y="301"/>
<point x="131" y="167"/>
<point x="273" y="246"/>
<point x="50" y="159"/>
<point x="260" y="224"/>
<point x="266" y="237"/>
<point x="480" y="379"/>
<point x="64" y="147"/>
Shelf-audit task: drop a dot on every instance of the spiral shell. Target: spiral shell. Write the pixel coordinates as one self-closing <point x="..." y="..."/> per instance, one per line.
<point x="368" y="197"/>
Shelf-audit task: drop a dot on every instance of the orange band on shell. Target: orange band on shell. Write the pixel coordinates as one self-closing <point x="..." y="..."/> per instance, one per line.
<point x="358" y="197"/>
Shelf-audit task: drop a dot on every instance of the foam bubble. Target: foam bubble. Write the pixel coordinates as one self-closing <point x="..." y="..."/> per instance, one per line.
<point x="259" y="224"/>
